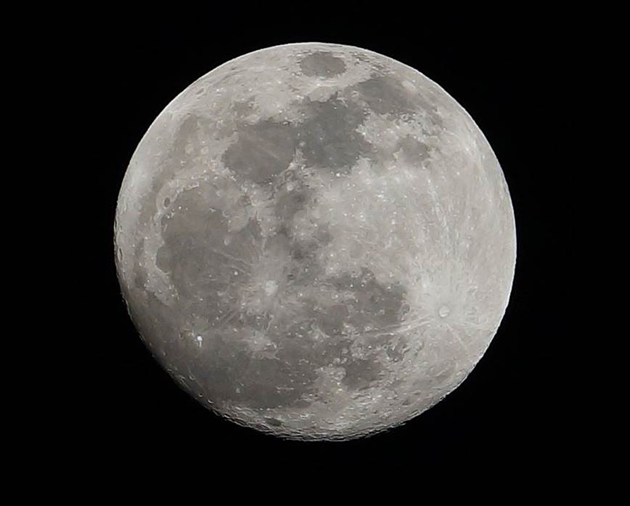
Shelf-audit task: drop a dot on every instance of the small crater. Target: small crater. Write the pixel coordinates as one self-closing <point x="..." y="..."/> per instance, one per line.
<point x="322" y="64"/>
<point x="444" y="311"/>
<point x="167" y="202"/>
<point x="273" y="422"/>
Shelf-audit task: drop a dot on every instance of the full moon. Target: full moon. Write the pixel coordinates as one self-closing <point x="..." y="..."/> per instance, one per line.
<point x="316" y="241"/>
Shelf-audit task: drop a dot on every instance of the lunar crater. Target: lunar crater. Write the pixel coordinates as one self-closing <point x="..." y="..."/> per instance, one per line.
<point x="322" y="64"/>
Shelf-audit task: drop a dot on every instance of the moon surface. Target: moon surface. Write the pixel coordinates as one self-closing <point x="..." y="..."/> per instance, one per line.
<point x="315" y="241"/>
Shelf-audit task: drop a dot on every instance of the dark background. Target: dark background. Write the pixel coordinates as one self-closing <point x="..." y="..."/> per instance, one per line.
<point x="513" y="72"/>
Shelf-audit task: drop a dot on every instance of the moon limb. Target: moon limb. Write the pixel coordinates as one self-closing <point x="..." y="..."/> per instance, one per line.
<point x="315" y="240"/>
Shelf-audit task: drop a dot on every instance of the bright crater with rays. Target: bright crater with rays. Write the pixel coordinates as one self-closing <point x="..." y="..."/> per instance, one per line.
<point x="315" y="241"/>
